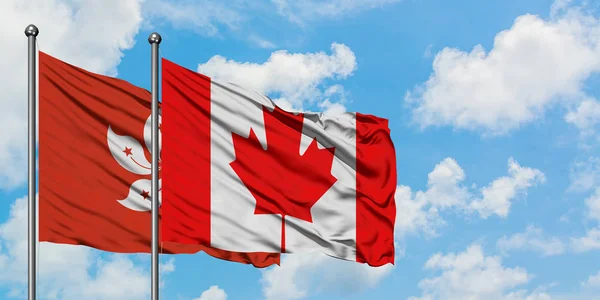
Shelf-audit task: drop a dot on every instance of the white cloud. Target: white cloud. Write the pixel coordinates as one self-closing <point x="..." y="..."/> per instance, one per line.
<point x="443" y="184"/>
<point x="74" y="31"/>
<point x="67" y="271"/>
<point x="301" y="11"/>
<point x="592" y="204"/>
<point x="585" y="175"/>
<point x="592" y="282"/>
<point x="498" y="195"/>
<point x="164" y="269"/>
<point x="559" y="6"/>
<point x="420" y="211"/>
<point x="301" y="274"/>
<point x="532" y="66"/>
<point x="427" y="53"/>
<point x="332" y="108"/>
<point x="213" y="293"/>
<point x="472" y="275"/>
<point x="261" y="42"/>
<point x="525" y="295"/>
<point x="118" y="278"/>
<point x="167" y="267"/>
<point x="589" y="242"/>
<point x="334" y="101"/>
<point x="201" y="16"/>
<point x="415" y="214"/>
<point x="296" y="78"/>
<point x="585" y="117"/>
<point x="532" y="239"/>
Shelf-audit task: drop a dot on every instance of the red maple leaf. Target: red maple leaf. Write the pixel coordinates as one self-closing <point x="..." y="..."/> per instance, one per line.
<point x="283" y="181"/>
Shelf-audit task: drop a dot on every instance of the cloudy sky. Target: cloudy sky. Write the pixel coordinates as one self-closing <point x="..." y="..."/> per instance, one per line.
<point x="493" y="110"/>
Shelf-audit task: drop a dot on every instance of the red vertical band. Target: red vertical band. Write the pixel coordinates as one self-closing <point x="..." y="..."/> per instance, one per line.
<point x="375" y="188"/>
<point x="186" y="155"/>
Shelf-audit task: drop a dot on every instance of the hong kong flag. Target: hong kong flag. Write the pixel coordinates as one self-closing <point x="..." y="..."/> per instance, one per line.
<point x="94" y="165"/>
<point x="241" y="174"/>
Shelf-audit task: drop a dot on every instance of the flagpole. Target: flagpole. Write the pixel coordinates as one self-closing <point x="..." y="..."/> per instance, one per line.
<point x="154" y="39"/>
<point x="31" y="32"/>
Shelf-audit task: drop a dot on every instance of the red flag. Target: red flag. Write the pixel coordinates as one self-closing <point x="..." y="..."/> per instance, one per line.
<point x="94" y="165"/>
<point x="271" y="180"/>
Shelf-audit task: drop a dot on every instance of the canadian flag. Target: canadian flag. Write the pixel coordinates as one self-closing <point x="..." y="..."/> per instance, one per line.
<point x="240" y="174"/>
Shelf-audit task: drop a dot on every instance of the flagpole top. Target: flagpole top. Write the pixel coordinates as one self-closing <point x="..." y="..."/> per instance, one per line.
<point x="31" y="30"/>
<point x="154" y="38"/>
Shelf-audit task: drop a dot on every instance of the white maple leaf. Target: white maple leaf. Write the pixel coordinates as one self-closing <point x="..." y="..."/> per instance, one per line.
<point x="129" y="153"/>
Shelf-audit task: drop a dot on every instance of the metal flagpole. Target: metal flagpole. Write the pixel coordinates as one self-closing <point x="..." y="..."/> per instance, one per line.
<point x="154" y="41"/>
<point x="31" y="32"/>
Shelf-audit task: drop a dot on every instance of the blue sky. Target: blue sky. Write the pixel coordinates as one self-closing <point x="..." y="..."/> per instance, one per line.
<point x="492" y="108"/>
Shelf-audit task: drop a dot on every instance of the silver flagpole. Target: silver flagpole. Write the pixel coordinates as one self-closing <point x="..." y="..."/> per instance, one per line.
<point x="154" y="41"/>
<point x="31" y="32"/>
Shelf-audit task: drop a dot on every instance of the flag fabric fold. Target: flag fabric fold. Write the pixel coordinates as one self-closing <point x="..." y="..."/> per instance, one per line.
<point x="94" y="165"/>
<point x="241" y="174"/>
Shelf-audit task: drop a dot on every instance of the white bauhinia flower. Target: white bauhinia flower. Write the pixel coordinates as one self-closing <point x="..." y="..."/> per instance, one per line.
<point x="129" y="153"/>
